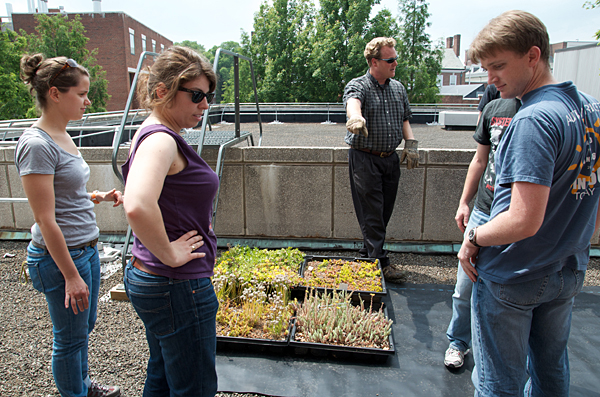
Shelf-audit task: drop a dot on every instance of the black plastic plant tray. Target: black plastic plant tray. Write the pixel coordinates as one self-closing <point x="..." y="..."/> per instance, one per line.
<point x="254" y="344"/>
<point x="299" y="291"/>
<point x="342" y="352"/>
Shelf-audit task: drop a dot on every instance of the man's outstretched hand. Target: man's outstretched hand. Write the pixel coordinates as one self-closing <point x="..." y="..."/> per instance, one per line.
<point x="357" y="125"/>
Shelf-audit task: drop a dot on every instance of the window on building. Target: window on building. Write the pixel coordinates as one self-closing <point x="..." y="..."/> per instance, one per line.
<point x="153" y="45"/>
<point x="132" y="41"/>
<point x="162" y="47"/>
<point x="453" y="79"/>
<point x="440" y="80"/>
<point x="143" y="42"/>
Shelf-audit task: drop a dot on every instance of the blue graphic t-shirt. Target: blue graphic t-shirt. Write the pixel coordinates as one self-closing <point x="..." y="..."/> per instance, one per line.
<point x="551" y="141"/>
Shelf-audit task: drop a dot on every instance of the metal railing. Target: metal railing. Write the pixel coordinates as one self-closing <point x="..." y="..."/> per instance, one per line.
<point x="105" y="122"/>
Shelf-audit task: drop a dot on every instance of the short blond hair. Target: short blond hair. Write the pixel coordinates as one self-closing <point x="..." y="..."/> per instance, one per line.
<point x="515" y="31"/>
<point x="373" y="48"/>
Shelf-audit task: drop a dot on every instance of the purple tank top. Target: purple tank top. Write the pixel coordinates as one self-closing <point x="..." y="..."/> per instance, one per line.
<point x="186" y="203"/>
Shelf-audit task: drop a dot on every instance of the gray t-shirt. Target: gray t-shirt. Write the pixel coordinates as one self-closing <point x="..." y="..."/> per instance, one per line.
<point x="37" y="153"/>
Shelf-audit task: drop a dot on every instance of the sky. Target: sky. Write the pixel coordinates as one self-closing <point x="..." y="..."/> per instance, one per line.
<point x="212" y="22"/>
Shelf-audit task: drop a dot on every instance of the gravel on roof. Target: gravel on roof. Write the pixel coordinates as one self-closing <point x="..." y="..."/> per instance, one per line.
<point x="118" y="351"/>
<point x="332" y="135"/>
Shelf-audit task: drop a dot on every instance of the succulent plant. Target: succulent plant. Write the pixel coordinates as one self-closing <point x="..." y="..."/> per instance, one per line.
<point x="331" y="318"/>
<point x="253" y="287"/>
<point x="356" y="275"/>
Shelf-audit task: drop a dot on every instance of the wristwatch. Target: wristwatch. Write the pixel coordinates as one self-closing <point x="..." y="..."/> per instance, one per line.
<point x="472" y="236"/>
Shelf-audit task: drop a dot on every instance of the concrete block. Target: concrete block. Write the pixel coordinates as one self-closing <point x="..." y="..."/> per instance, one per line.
<point x="452" y="118"/>
<point x="450" y="157"/>
<point x="230" y="209"/>
<point x="22" y="212"/>
<point x="288" y="155"/>
<point x="108" y="218"/>
<point x="443" y="187"/>
<point x="7" y="219"/>
<point x="210" y="154"/>
<point x="340" y="155"/>
<point x="345" y="224"/>
<point x="405" y="223"/>
<point x="422" y="154"/>
<point x="103" y="178"/>
<point x="288" y="201"/>
<point x="231" y="155"/>
<point x="103" y="155"/>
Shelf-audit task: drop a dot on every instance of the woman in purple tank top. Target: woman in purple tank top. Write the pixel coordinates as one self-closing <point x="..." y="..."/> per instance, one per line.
<point x="169" y="192"/>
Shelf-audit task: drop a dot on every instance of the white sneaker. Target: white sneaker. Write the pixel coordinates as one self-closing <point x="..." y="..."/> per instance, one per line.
<point x="454" y="358"/>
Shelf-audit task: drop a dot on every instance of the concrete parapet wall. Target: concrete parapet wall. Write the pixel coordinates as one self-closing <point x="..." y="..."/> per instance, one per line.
<point x="277" y="192"/>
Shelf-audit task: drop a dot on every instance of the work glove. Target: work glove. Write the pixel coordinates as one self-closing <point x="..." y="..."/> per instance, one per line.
<point x="410" y="153"/>
<point x="357" y="125"/>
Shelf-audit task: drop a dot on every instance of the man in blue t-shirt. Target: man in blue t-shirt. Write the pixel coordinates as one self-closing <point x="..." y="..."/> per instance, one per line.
<point x="529" y="261"/>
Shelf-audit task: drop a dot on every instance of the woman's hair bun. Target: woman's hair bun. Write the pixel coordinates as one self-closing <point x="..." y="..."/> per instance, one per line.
<point x="29" y="66"/>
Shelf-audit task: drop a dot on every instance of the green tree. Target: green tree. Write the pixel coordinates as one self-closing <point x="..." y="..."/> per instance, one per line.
<point x="225" y="72"/>
<point x="246" y="89"/>
<point x="59" y="35"/>
<point x="343" y="30"/>
<point x="14" y="96"/>
<point x="194" y="45"/>
<point x="279" y="48"/>
<point x="419" y="62"/>
<point x="590" y="5"/>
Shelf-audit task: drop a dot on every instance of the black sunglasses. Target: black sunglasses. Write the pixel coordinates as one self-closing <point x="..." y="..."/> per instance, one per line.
<point x="69" y="64"/>
<point x="198" y="96"/>
<point x="388" y="60"/>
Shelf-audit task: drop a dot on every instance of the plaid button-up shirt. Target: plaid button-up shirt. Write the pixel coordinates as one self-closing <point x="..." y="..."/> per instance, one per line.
<point x="384" y="107"/>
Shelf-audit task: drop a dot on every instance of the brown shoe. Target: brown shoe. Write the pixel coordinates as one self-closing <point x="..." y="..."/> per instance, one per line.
<point x="394" y="275"/>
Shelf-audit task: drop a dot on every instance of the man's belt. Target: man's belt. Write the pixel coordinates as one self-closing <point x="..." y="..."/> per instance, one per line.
<point x="374" y="152"/>
<point x="75" y="247"/>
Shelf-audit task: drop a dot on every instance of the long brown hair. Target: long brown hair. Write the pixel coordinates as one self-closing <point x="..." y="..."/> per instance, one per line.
<point x="41" y="74"/>
<point x="174" y="67"/>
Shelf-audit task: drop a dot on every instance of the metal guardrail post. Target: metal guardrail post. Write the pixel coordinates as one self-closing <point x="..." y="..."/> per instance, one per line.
<point x="238" y="137"/>
<point x="117" y="141"/>
<point x="236" y="84"/>
<point x="119" y="133"/>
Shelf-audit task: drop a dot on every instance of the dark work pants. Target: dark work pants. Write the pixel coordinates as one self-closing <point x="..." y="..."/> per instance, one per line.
<point x="374" y="184"/>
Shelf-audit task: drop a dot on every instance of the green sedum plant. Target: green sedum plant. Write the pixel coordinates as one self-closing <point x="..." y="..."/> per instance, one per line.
<point x="254" y="291"/>
<point x="331" y="318"/>
<point x="330" y="273"/>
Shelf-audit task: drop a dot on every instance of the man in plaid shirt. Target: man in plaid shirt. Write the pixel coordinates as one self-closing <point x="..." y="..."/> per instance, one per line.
<point x="378" y="111"/>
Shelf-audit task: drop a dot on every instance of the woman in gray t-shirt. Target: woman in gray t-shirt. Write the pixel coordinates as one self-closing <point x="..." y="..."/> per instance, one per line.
<point x="62" y="256"/>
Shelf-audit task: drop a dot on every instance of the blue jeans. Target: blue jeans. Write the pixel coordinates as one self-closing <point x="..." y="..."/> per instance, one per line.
<point x="71" y="331"/>
<point x="520" y="334"/>
<point x="459" y="329"/>
<point x="180" y="321"/>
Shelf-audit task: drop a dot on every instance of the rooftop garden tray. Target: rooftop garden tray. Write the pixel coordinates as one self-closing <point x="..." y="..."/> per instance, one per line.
<point x="335" y="325"/>
<point x="362" y="276"/>
<point x="254" y="291"/>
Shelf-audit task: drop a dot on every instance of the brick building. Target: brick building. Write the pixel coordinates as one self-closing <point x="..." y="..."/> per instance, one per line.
<point x="453" y="70"/>
<point x="120" y="40"/>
